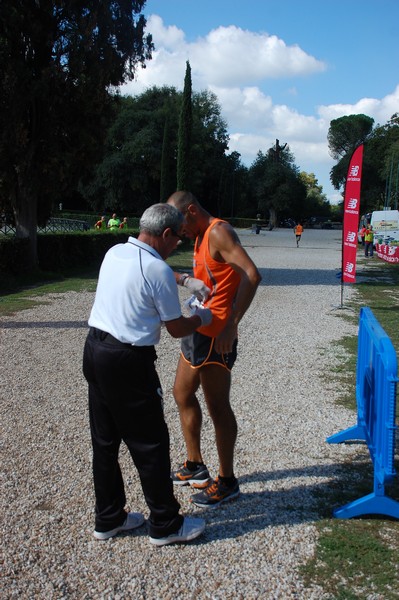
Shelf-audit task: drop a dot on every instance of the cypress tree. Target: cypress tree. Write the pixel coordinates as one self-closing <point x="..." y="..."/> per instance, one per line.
<point x="184" y="137"/>
<point x="167" y="182"/>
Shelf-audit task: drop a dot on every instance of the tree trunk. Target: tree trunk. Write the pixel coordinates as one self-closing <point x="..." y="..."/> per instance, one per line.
<point x="272" y="218"/>
<point x="25" y="214"/>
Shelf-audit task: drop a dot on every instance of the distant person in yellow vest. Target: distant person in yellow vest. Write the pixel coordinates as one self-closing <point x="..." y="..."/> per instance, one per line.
<point x="368" y="241"/>
<point x="113" y="223"/>
<point x="298" y="230"/>
<point x="363" y="233"/>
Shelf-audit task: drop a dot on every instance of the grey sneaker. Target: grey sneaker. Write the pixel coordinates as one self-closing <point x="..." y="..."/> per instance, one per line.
<point x="190" y="529"/>
<point x="132" y="521"/>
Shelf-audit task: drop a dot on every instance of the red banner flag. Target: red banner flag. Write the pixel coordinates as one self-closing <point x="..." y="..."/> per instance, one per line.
<point x="351" y="216"/>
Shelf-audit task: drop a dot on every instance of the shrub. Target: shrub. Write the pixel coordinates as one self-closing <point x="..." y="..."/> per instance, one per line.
<point x="60" y="251"/>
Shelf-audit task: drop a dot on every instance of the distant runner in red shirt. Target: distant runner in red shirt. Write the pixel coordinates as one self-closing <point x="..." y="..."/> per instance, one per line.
<point x="298" y="230"/>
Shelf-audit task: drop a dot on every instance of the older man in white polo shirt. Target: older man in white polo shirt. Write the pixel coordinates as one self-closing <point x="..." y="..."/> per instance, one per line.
<point x="136" y="293"/>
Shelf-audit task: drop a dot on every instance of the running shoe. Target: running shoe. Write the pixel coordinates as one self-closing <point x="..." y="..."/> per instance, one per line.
<point x="190" y="529"/>
<point x="198" y="478"/>
<point x="216" y="493"/>
<point x="132" y="521"/>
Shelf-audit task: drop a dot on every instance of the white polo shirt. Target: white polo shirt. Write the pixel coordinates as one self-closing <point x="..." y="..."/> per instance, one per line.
<point x="136" y="292"/>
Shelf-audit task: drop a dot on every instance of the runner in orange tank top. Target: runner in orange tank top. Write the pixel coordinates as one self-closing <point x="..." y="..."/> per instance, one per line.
<point x="207" y="357"/>
<point x="220" y="278"/>
<point x="298" y="230"/>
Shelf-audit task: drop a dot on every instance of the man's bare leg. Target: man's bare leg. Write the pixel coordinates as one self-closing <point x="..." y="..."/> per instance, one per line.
<point x="215" y="382"/>
<point x="186" y="384"/>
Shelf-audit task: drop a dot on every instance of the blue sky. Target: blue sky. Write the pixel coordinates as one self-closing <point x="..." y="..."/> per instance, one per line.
<point x="280" y="68"/>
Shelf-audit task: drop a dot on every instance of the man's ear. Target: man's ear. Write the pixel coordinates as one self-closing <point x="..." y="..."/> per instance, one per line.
<point x="167" y="232"/>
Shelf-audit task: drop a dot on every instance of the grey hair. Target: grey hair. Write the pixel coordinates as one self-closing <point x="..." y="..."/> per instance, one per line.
<point x="159" y="217"/>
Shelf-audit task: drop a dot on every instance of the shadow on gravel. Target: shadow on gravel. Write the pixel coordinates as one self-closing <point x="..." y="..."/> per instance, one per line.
<point x="299" y="277"/>
<point x="44" y="324"/>
<point x="292" y="504"/>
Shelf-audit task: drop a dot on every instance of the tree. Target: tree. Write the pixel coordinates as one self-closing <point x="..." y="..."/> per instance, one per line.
<point x="209" y="162"/>
<point x="381" y="166"/>
<point x="167" y="183"/>
<point x="277" y="185"/>
<point x="316" y="203"/>
<point x="128" y="177"/>
<point x="58" y="60"/>
<point x="139" y="164"/>
<point x="381" y="145"/>
<point x="185" y="131"/>
<point x="346" y="133"/>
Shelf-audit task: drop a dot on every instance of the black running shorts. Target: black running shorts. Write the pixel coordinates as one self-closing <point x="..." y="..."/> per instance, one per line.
<point x="198" y="350"/>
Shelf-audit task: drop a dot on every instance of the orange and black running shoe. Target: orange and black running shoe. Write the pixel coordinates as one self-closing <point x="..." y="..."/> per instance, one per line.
<point x="216" y="493"/>
<point x="198" y="477"/>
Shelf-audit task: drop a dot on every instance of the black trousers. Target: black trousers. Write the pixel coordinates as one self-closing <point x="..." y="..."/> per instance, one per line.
<point x="125" y="403"/>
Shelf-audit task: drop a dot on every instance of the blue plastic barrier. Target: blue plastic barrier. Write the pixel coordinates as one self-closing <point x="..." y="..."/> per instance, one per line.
<point x="376" y="378"/>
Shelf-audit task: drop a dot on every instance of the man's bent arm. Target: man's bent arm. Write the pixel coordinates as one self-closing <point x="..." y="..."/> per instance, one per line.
<point x="183" y="326"/>
<point x="225" y="243"/>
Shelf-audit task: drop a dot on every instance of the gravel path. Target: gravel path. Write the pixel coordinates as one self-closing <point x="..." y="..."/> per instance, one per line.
<point x="252" y="547"/>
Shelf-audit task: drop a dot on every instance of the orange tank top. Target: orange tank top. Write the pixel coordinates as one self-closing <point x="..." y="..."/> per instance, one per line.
<point x="221" y="279"/>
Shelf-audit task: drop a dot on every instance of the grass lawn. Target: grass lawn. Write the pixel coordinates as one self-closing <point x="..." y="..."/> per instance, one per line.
<point x="359" y="558"/>
<point x="19" y="293"/>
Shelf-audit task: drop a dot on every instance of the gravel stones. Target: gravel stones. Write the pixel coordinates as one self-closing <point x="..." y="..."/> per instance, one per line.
<point x="253" y="546"/>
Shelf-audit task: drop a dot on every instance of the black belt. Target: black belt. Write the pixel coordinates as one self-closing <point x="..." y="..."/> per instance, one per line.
<point x="104" y="336"/>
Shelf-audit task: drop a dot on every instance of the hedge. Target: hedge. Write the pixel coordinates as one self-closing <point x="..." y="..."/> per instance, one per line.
<point x="59" y="251"/>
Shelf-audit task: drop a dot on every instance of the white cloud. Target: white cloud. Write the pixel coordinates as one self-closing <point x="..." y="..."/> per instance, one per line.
<point x="381" y="110"/>
<point x="234" y="63"/>
<point x="171" y="38"/>
<point x="255" y="123"/>
<point x="249" y="144"/>
<point x="226" y="56"/>
<point x="245" y="108"/>
<point x="233" y="56"/>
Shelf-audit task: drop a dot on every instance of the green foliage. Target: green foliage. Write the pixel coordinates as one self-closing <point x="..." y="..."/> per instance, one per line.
<point x="58" y="60"/>
<point x="381" y="153"/>
<point x="278" y="188"/>
<point x="212" y="169"/>
<point x="139" y="164"/>
<point x="316" y="203"/>
<point x="128" y="178"/>
<point x="346" y="133"/>
<point x="59" y="251"/>
<point x="380" y="159"/>
<point x="168" y="181"/>
<point x="12" y="254"/>
<point x="184" y="176"/>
